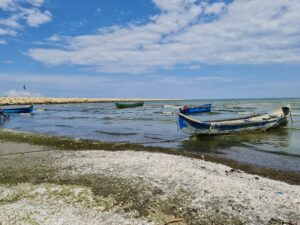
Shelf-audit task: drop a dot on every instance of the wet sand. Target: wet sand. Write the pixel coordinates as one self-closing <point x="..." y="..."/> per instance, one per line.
<point x="40" y="185"/>
<point x="44" y="100"/>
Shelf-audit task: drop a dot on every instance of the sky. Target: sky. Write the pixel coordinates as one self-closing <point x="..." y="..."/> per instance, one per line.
<point x="186" y="49"/>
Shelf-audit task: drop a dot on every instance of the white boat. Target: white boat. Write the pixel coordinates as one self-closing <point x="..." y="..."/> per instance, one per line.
<point x="242" y="124"/>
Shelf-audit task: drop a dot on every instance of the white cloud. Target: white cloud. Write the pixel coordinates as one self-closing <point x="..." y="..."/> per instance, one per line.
<point x="174" y="5"/>
<point x="197" y="86"/>
<point x="20" y="14"/>
<point x="101" y="86"/>
<point x="15" y="93"/>
<point x="7" y="32"/>
<point x="11" y="22"/>
<point x="215" y="8"/>
<point x="36" y="2"/>
<point x="194" y="67"/>
<point x="35" y="17"/>
<point x="2" y="42"/>
<point x="188" y="32"/>
<point x="55" y="38"/>
<point x="6" y="4"/>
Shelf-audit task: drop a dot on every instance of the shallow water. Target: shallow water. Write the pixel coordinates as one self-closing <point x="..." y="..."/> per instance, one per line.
<point x="156" y="126"/>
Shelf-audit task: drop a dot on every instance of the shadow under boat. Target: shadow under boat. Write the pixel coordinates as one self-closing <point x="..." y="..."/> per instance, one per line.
<point x="275" y="138"/>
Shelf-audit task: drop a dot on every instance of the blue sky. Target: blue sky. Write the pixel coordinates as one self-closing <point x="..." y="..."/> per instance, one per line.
<point x="150" y="48"/>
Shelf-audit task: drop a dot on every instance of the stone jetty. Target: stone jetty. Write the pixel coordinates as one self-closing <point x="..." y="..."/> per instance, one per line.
<point x="45" y="100"/>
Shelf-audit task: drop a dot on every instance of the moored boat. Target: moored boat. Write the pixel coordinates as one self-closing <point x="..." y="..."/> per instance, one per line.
<point x="242" y="124"/>
<point x="27" y="109"/>
<point x="187" y="110"/>
<point x="123" y="105"/>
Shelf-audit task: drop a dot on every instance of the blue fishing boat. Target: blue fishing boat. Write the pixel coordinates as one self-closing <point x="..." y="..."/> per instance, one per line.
<point x="187" y="110"/>
<point x="251" y="123"/>
<point x="27" y="109"/>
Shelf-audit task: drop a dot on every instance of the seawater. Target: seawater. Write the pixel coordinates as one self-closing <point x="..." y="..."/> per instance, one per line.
<point x="154" y="125"/>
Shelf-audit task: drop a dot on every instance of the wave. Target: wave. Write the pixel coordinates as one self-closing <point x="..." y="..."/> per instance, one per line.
<point x="56" y="110"/>
<point x="154" y="138"/>
<point x="225" y="110"/>
<point x="241" y="107"/>
<point x="214" y="113"/>
<point x="115" y="133"/>
<point x="40" y="110"/>
<point x="92" y="110"/>
<point x="107" y="118"/>
<point x="245" y="113"/>
<point x="63" y="125"/>
<point x="171" y="106"/>
<point x="75" y="117"/>
<point x="137" y="119"/>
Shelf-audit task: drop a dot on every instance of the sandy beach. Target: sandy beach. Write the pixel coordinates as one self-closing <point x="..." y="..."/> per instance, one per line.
<point x="47" y="100"/>
<point x="40" y="185"/>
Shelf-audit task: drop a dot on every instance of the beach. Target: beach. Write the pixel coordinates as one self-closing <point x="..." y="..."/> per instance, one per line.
<point x="150" y="112"/>
<point x="86" y="164"/>
<point x="43" y="184"/>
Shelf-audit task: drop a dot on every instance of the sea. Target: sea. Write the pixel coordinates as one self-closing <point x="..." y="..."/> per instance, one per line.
<point x="155" y="124"/>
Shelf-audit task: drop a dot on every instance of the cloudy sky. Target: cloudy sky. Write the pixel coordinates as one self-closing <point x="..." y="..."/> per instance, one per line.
<point x="150" y="48"/>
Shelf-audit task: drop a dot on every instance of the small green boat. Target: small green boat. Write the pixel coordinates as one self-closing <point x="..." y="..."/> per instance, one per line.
<point x="123" y="105"/>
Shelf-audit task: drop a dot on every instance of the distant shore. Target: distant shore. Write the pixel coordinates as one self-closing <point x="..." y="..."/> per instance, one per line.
<point x="46" y="100"/>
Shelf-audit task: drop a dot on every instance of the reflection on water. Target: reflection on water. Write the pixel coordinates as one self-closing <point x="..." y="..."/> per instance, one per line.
<point x="277" y="138"/>
<point x="278" y="148"/>
<point x="3" y="120"/>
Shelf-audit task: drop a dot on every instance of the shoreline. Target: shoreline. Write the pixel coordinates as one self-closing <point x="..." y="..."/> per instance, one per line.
<point x="46" y="185"/>
<point x="48" y="100"/>
<point x="71" y="144"/>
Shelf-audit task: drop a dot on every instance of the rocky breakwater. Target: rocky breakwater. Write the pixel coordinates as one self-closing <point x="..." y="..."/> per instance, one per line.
<point x="44" y="100"/>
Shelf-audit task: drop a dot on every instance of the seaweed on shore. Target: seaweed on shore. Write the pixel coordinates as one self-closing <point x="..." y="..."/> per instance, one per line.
<point x="64" y="143"/>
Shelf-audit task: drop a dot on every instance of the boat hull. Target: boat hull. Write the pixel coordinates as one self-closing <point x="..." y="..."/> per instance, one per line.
<point x="129" y="105"/>
<point x="195" y="109"/>
<point x="248" y="124"/>
<point x="18" y="110"/>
